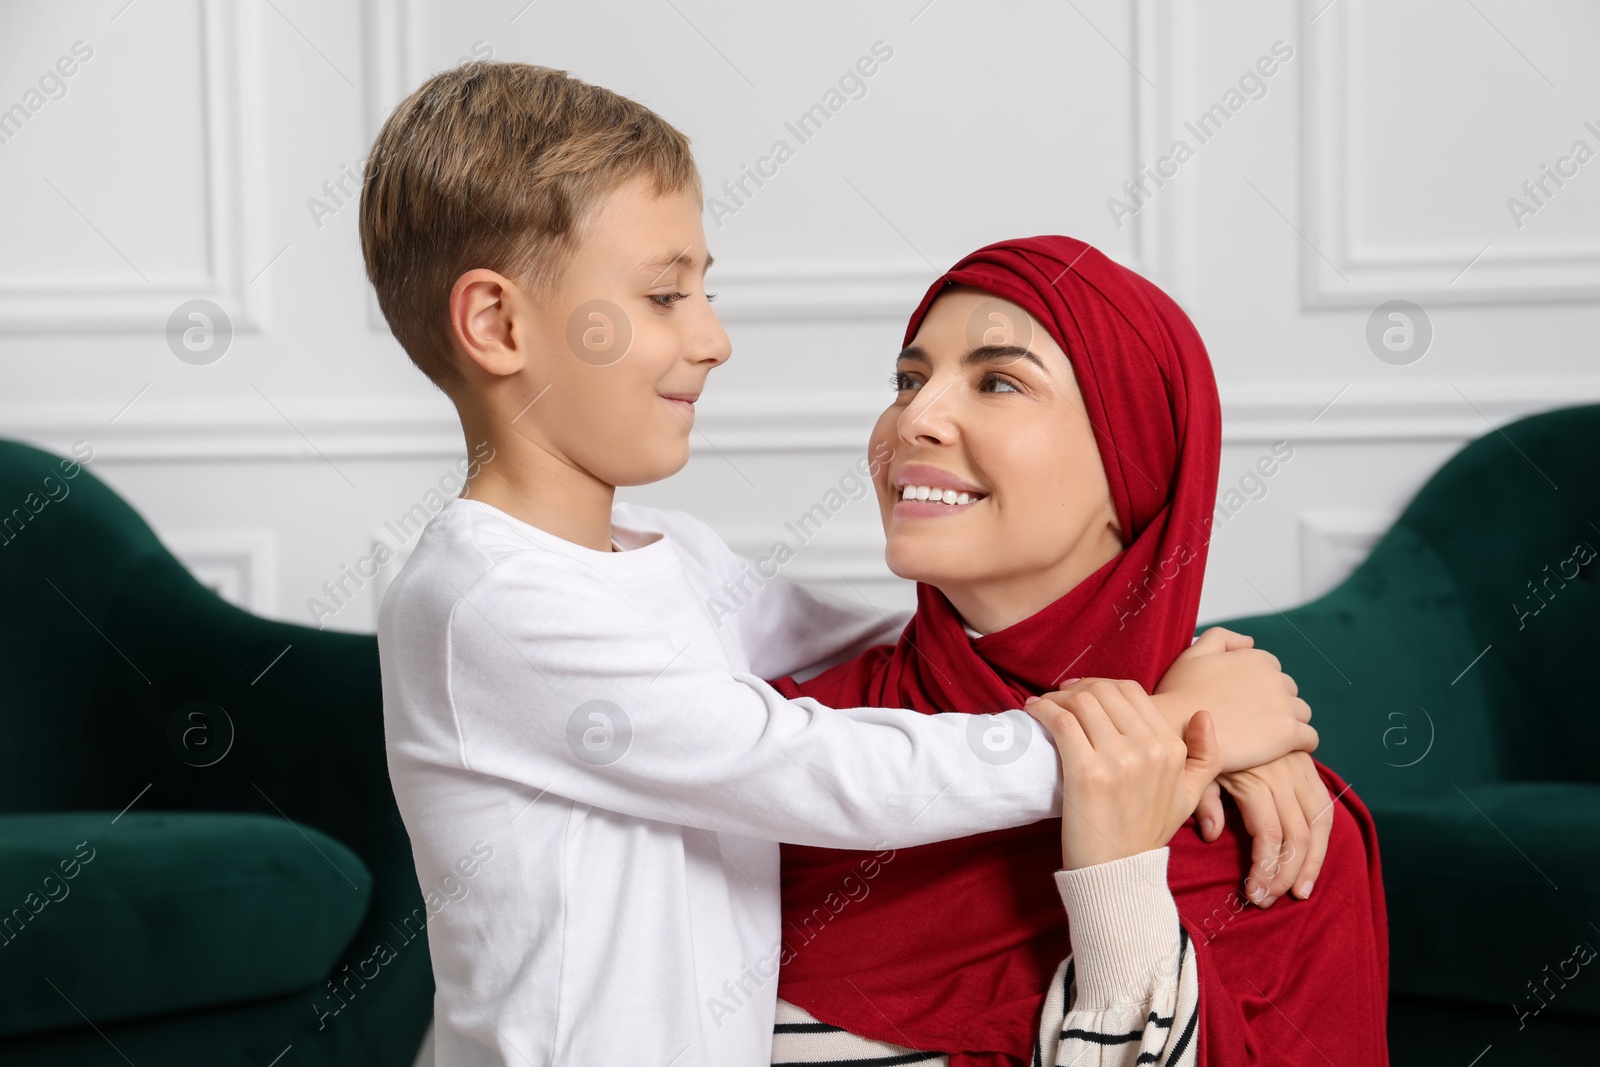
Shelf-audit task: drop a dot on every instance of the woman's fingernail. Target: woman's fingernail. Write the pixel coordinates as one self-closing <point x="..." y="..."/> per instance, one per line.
<point x="1069" y="681"/>
<point x="1030" y="700"/>
<point x="1305" y="889"/>
<point x="1206" y="825"/>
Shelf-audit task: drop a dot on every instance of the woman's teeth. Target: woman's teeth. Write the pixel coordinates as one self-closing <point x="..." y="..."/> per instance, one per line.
<point x="947" y="496"/>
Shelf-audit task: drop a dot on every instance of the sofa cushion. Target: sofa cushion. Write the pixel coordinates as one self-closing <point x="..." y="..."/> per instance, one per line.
<point x="1492" y="888"/>
<point x="107" y="917"/>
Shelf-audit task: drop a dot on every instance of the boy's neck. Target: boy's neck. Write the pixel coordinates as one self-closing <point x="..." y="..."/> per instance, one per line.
<point x="543" y="490"/>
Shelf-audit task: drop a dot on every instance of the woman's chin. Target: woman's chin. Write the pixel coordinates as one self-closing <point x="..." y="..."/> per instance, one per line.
<point x="917" y="563"/>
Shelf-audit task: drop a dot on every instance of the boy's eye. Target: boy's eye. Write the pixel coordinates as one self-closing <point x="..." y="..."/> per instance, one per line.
<point x="666" y="300"/>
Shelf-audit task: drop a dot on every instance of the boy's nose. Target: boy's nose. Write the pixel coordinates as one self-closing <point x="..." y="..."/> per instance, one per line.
<point x="711" y="341"/>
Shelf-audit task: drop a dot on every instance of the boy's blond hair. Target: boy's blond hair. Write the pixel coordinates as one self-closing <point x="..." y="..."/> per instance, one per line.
<point x="497" y="165"/>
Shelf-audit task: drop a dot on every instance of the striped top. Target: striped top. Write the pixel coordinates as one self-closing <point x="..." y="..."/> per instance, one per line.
<point x="1128" y="994"/>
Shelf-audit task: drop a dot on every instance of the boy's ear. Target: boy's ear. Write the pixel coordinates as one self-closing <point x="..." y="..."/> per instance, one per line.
<point x="488" y="315"/>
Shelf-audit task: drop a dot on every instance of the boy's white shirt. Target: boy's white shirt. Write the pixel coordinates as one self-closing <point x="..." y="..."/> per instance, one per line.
<point x="591" y="912"/>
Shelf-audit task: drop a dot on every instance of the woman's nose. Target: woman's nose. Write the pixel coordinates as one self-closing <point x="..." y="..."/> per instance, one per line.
<point x="927" y="419"/>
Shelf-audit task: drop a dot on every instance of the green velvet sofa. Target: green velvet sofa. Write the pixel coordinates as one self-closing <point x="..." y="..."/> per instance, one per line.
<point x="1446" y="677"/>
<point x="201" y="861"/>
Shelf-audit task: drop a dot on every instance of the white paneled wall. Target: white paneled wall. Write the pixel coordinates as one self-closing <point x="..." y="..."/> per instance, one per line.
<point x="1300" y="164"/>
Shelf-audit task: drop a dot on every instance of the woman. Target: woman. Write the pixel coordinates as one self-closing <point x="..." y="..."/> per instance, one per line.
<point x="1073" y="403"/>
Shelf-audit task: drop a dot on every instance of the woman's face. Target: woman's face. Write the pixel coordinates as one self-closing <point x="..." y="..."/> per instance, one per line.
<point x="987" y="404"/>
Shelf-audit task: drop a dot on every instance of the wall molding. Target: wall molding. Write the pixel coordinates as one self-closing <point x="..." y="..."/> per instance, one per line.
<point x="391" y="39"/>
<point x="1161" y="232"/>
<point x="851" y="291"/>
<point x="818" y="292"/>
<point x="1334" y="543"/>
<point x="1351" y="277"/>
<point x="767" y="422"/>
<point x="234" y="163"/>
<point x="845" y="291"/>
<point x="240" y="565"/>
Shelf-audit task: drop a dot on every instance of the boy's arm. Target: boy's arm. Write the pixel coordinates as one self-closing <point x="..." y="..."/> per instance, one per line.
<point x="559" y="682"/>
<point x="790" y="628"/>
<point x="786" y="627"/>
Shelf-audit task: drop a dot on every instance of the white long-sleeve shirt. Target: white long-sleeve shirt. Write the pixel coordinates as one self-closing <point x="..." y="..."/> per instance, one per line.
<point x="595" y="778"/>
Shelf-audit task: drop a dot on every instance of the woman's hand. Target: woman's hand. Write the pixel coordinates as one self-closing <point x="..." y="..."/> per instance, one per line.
<point x="1288" y="813"/>
<point x="1257" y="709"/>
<point x="1128" y="780"/>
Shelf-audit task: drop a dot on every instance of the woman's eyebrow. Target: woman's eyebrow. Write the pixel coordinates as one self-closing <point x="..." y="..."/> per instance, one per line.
<point x="985" y="354"/>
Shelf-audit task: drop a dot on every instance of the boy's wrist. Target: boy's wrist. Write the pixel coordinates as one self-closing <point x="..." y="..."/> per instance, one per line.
<point x="1176" y="707"/>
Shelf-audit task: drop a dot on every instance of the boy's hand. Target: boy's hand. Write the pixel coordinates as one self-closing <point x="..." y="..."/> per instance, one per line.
<point x="1257" y="710"/>
<point x="1288" y="814"/>
<point x="1128" y="780"/>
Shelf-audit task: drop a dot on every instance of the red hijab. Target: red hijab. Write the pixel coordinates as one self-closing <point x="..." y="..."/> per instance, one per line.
<point x="951" y="946"/>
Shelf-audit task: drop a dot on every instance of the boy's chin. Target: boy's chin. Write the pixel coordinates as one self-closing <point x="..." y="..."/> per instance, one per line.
<point x="669" y="460"/>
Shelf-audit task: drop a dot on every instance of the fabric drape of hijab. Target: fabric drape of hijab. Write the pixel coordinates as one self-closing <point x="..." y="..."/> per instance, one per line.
<point x="949" y="947"/>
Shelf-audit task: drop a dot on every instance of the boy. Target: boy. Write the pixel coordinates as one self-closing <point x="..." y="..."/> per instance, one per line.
<point x="567" y="725"/>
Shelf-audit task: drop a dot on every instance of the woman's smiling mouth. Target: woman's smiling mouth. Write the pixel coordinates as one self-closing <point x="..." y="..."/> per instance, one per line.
<point x="949" y="502"/>
<point x="928" y="491"/>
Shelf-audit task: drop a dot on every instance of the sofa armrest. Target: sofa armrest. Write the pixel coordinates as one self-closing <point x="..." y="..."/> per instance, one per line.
<point x="1493" y="887"/>
<point x="163" y="912"/>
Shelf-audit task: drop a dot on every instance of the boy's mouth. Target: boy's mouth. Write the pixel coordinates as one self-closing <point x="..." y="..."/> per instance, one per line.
<point x="684" y="402"/>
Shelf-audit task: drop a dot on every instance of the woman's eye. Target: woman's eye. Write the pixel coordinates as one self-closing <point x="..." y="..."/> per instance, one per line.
<point x="1010" y="386"/>
<point x="902" y="381"/>
<point x="666" y="300"/>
